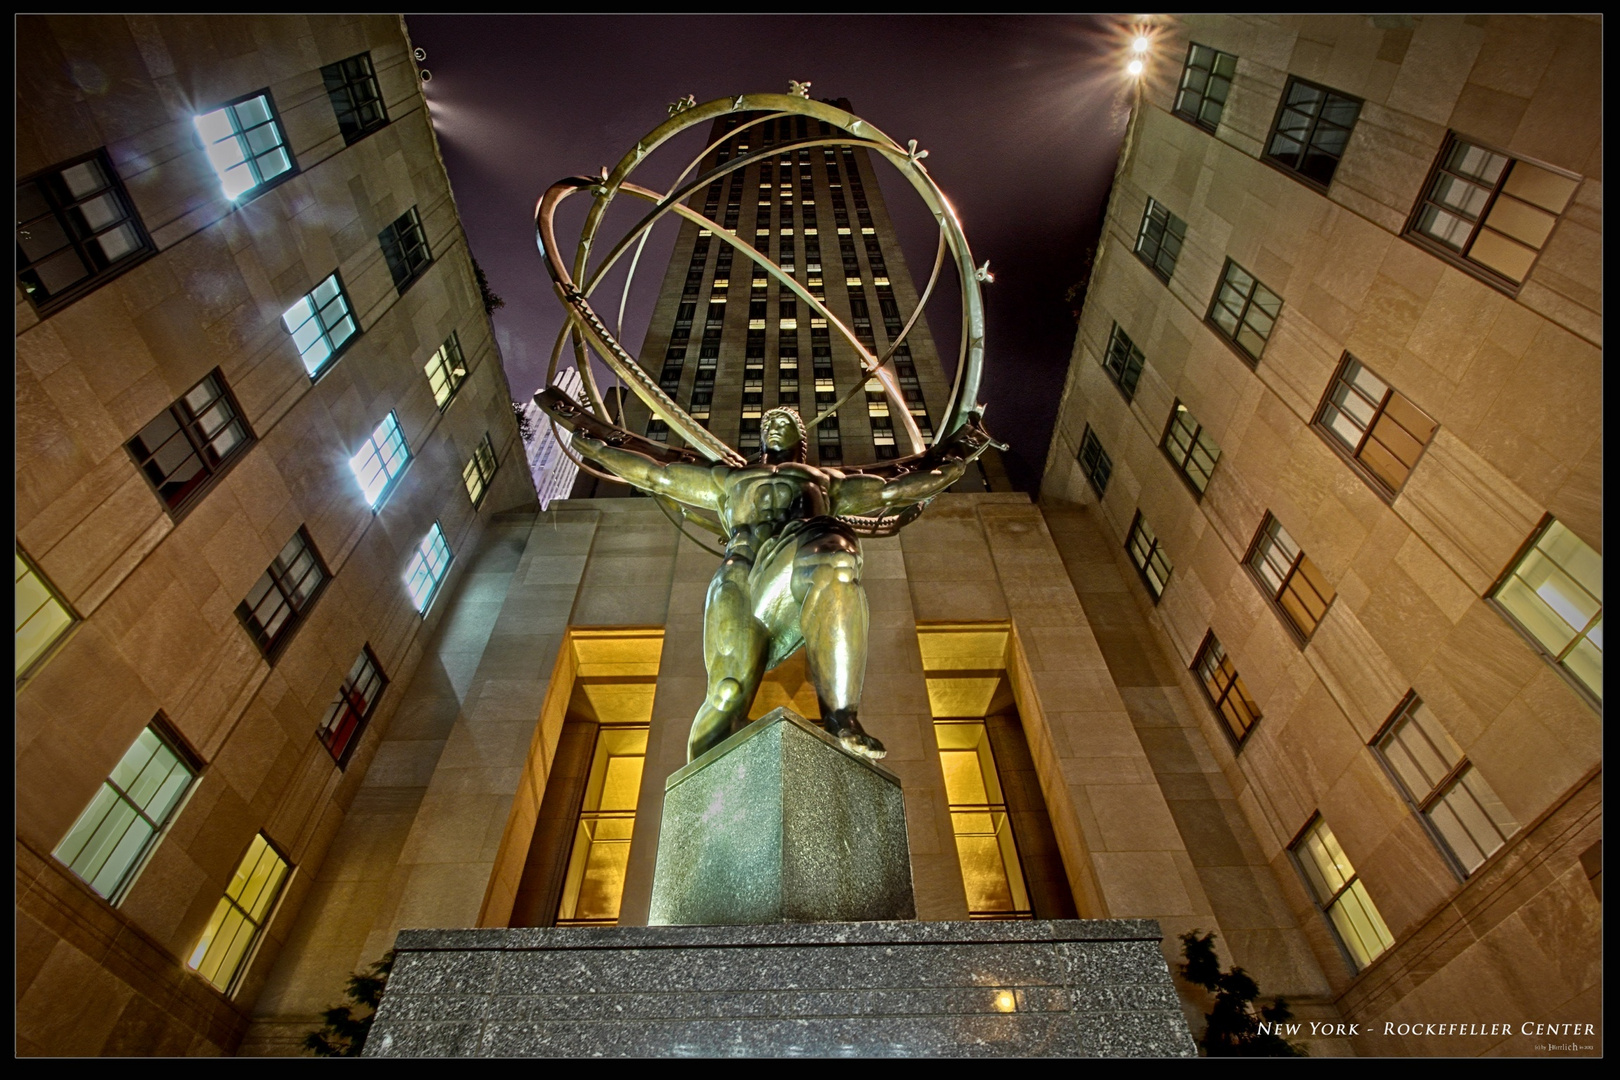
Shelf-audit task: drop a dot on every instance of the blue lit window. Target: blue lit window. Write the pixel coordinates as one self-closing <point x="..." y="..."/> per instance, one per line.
<point x="428" y="567"/>
<point x="321" y="324"/>
<point x="380" y="461"/>
<point x="245" y="144"/>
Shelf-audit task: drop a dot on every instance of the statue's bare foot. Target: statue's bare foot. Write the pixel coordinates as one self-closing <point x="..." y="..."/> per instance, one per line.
<point x="842" y="725"/>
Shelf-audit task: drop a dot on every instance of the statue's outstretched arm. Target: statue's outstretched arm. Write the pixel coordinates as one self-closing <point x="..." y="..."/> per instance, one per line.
<point x="934" y="472"/>
<point x="694" y="485"/>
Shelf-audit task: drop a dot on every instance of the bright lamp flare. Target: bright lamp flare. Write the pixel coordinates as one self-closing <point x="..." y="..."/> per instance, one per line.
<point x="1135" y="67"/>
<point x="1140" y="45"/>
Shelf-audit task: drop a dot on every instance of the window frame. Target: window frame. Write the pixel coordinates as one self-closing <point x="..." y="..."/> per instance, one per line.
<point x="343" y="707"/>
<point x="484" y="449"/>
<point x="1195" y="118"/>
<point x="1155" y="548"/>
<point x="245" y="958"/>
<point x="247" y="195"/>
<point x="397" y="245"/>
<point x="1205" y="647"/>
<point x="1326" y="907"/>
<point x="1352" y="455"/>
<point x="1548" y="520"/>
<point x="1296" y="569"/>
<point x="1242" y="316"/>
<point x="53" y="594"/>
<point x="201" y="448"/>
<point x="454" y="382"/>
<point x="345" y="85"/>
<point x="1166" y="230"/>
<point x="1193" y="443"/>
<point x="335" y="352"/>
<point x="1497" y="280"/>
<point x="1310" y="133"/>
<point x="373" y="449"/>
<point x="58" y="211"/>
<point x="419" y="552"/>
<point x="275" y="647"/>
<point x="1131" y="353"/>
<point x="1089" y="439"/>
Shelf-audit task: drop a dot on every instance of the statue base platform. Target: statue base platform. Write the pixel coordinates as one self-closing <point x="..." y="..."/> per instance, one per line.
<point x="780" y="824"/>
<point x="870" y="989"/>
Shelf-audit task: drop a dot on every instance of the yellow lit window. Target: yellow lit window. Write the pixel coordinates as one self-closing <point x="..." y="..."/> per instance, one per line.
<point x="720" y="285"/>
<point x="810" y="230"/>
<point x="788" y="324"/>
<point x="880" y="281"/>
<point x="758" y="283"/>
<point x="984" y="842"/>
<point x="1341" y="895"/>
<point x="853" y="282"/>
<point x="594" y="884"/>
<point x="843" y="230"/>
<point x="41" y="617"/>
<point x="868" y="231"/>
<point x="240" y="916"/>
<point x="1555" y="593"/>
<point x="756" y="324"/>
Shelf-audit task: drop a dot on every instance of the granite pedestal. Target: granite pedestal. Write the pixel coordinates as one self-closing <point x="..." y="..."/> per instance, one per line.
<point x="869" y="989"/>
<point x="779" y="823"/>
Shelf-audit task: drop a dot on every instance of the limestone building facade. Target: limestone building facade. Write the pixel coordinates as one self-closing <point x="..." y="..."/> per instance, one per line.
<point x="1335" y="406"/>
<point x="261" y="427"/>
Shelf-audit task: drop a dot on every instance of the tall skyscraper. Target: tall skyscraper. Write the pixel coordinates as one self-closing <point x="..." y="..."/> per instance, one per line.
<point x="549" y="464"/>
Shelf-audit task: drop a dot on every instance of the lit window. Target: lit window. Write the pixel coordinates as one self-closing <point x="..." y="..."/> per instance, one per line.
<point x="1487" y="211"/>
<point x="446" y="368"/>
<point x="427" y="568"/>
<point x="478" y="472"/>
<point x="405" y="246"/>
<point x="1290" y="580"/>
<point x="788" y="324"/>
<point x="42" y="616"/>
<point x="1123" y="362"/>
<point x="188" y="446"/>
<point x="1158" y="241"/>
<point x="1205" y="83"/>
<point x="356" y="701"/>
<point x="594" y="883"/>
<point x="76" y="228"/>
<point x="352" y="86"/>
<point x="852" y="282"/>
<point x="1244" y="311"/>
<point x="1095" y="462"/>
<point x="1340" y="895"/>
<point x="1225" y="689"/>
<point x="321" y="324"/>
<point x="991" y="871"/>
<point x="245" y="144"/>
<point x="1148" y="555"/>
<point x="240" y="916"/>
<point x="1377" y="428"/>
<point x="1312" y="128"/>
<point x="1461" y="811"/>
<point x="278" y="602"/>
<point x="110" y="841"/>
<point x="380" y="460"/>
<point x="1554" y="592"/>
<point x="1193" y="453"/>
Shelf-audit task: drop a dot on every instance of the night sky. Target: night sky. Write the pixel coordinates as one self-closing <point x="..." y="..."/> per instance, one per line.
<point x="1022" y="118"/>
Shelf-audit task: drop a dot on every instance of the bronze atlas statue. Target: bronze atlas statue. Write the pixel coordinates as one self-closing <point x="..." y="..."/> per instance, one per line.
<point x="790" y="571"/>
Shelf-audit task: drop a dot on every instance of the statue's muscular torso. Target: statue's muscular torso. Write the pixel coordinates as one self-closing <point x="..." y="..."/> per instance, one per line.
<point x="762" y="499"/>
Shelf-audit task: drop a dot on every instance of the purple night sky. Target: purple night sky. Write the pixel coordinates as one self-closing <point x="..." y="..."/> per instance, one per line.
<point x="1023" y="118"/>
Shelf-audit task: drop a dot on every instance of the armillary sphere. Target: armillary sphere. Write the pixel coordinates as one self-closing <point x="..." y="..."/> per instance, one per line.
<point x="575" y="284"/>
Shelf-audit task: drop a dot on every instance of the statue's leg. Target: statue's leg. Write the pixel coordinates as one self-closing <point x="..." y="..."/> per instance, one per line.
<point x="733" y="652"/>
<point x="834" y="620"/>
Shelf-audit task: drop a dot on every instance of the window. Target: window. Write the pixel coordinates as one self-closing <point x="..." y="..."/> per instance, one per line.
<point x="1458" y="807"/>
<point x="446" y="369"/>
<point x="1094" y="462"/>
<point x="991" y="871"/>
<point x="1205" y="83"/>
<point x="1377" y="429"/>
<point x="42" y="616"/>
<point x="240" y="916"/>
<point x="76" y="229"/>
<point x="405" y="246"/>
<point x="1225" y="689"/>
<point x="187" y="447"/>
<point x="478" y="472"/>
<point x="1244" y="310"/>
<point x="1148" y="555"/>
<point x="1123" y="362"/>
<point x="1158" y="241"/>
<point x="594" y="884"/>
<point x="356" y="701"/>
<point x="356" y="98"/>
<point x="1312" y="127"/>
<point x="1340" y="895"/>
<point x="245" y="144"/>
<point x="380" y="460"/>
<point x="321" y="325"/>
<point x="1488" y="212"/>
<point x="1554" y="593"/>
<point x="1290" y="580"/>
<point x="1190" y="449"/>
<point x="427" y="568"/>
<point x="277" y="604"/>
<point x="110" y="841"/>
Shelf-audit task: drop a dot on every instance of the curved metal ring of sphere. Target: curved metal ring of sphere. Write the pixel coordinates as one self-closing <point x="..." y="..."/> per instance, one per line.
<point x="587" y="326"/>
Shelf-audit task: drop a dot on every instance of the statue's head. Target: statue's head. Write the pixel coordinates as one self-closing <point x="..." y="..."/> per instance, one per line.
<point x="781" y="435"/>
